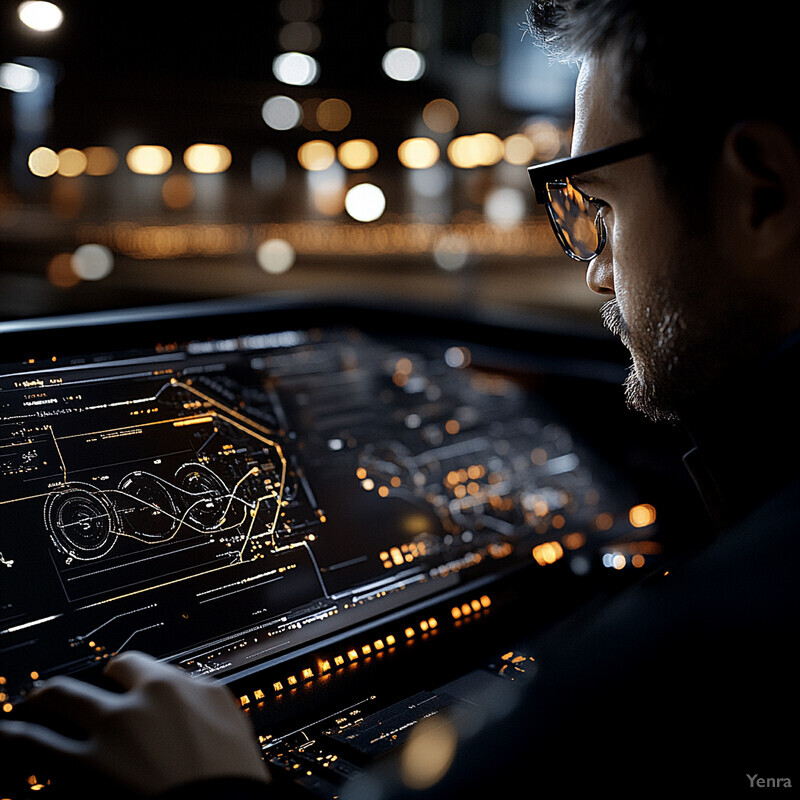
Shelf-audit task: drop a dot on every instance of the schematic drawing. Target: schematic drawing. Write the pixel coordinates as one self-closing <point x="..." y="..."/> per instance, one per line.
<point x="199" y="469"/>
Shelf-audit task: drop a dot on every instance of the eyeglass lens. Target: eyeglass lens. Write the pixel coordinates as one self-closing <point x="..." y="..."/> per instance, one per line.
<point x="575" y="220"/>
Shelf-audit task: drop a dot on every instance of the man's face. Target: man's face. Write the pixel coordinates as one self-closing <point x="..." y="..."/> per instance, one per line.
<point x="667" y="289"/>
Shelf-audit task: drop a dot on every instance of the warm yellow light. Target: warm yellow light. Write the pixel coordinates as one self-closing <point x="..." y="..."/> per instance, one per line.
<point x="316" y="155"/>
<point x="207" y="158"/>
<point x="358" y="154"/>
<point x="428" y="753"/>
<point x="541" y="508"/>
<point x="547" y="553"/>
<point x="100" y="160"/>
<point x="546" y="138"/>
<point x="477" y="150"/>
<point x="71" y="162"/>
<point x="489" y="148"/>
<point x="642" y="515"/>
<point x="440" y="115"/>
<point x="43" y="162"/>
<point x="178" y="191"/>
<point x="60" y="272"/>
<point x="574" y="541"/>
<point x="604" y="521"/>
<point x="333" y="114"/>
<point x="418" y="153"/>
<point x="148" y="159"/>
<point x="518" y="149"/>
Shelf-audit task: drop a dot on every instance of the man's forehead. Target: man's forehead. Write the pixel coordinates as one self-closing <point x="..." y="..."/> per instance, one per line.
<point x="597" y="119"/>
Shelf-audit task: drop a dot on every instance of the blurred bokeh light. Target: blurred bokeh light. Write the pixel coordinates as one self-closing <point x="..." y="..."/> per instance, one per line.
<point x="320" y="146"/>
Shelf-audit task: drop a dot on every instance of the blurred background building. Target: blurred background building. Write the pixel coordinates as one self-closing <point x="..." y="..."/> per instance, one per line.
<point x="154" y="152"/>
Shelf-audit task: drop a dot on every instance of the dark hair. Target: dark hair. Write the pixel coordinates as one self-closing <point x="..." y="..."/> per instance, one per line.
<point x="718" y="64"/>
<point x="685" y="72"/>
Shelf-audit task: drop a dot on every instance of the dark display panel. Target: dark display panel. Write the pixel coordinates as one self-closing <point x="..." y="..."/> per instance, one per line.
<point x="223" y="502"/>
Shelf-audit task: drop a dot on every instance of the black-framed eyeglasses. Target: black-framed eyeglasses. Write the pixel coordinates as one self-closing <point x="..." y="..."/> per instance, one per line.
<point x="576" y="217"/>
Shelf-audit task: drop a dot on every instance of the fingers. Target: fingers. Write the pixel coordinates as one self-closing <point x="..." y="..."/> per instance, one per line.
<point x="30" y="748"/>
<point x="40" y="738"/>
<point x="132" y="669"/>
<point x="70" y="700"/>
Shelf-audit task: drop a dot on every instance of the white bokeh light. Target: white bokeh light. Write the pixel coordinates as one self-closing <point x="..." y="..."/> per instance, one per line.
<point x="92" y="262"/>
<point x="505" y="207"/>
<point x="281" y="113"/>
<point x="18" y="78"/>
<point x="403" y="64"/>
<point x="365" y="202"/>
<point x="296" y="69"/>
<point x="275" y="256"/>
<point x="451" y="252"/>
<point x="40" y="16"/>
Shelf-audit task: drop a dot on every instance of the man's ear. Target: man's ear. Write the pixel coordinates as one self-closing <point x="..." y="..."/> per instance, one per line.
<point x="760" y="188"/>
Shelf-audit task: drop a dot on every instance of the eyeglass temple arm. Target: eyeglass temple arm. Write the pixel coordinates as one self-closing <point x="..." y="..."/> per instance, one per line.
<point x="541" y="174"/>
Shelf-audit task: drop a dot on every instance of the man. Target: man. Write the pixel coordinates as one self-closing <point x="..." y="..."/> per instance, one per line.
<point x="687" y="214"/>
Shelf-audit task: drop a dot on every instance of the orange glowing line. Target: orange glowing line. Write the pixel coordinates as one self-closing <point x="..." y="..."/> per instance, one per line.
<point x="192" y="421"/>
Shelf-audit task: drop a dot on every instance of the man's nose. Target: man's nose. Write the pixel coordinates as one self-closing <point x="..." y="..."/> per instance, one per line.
<point x="600" y="274"/>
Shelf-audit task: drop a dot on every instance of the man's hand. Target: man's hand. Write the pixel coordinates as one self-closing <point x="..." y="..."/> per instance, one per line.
<point x="163" y="729"/>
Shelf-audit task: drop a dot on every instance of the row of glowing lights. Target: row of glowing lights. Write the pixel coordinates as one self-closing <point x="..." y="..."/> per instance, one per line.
<point x="468" y="151"/>
<point x="325" y="666"/>
<point x="70" y="162"/>
<point x="364" y="202"/>
<point x="317" y="155"/>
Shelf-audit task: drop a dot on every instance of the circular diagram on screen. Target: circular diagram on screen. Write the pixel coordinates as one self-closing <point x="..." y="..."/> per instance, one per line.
<point x="204" y="495"/>
<point x="81" y="522"/>
<point x="147" y="509"/>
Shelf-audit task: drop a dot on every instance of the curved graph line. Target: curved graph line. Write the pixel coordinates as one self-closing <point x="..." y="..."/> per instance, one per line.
<point x="216" y="414"/>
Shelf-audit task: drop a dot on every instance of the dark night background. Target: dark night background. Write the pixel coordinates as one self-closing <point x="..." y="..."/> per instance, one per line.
<point x="175" y="74"/>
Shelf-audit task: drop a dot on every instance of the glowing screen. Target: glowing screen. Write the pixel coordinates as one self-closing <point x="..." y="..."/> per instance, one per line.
<point x="219" y="503"/>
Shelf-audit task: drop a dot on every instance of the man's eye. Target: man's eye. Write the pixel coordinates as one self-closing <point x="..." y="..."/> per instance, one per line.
<point x="603" y="208"/>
